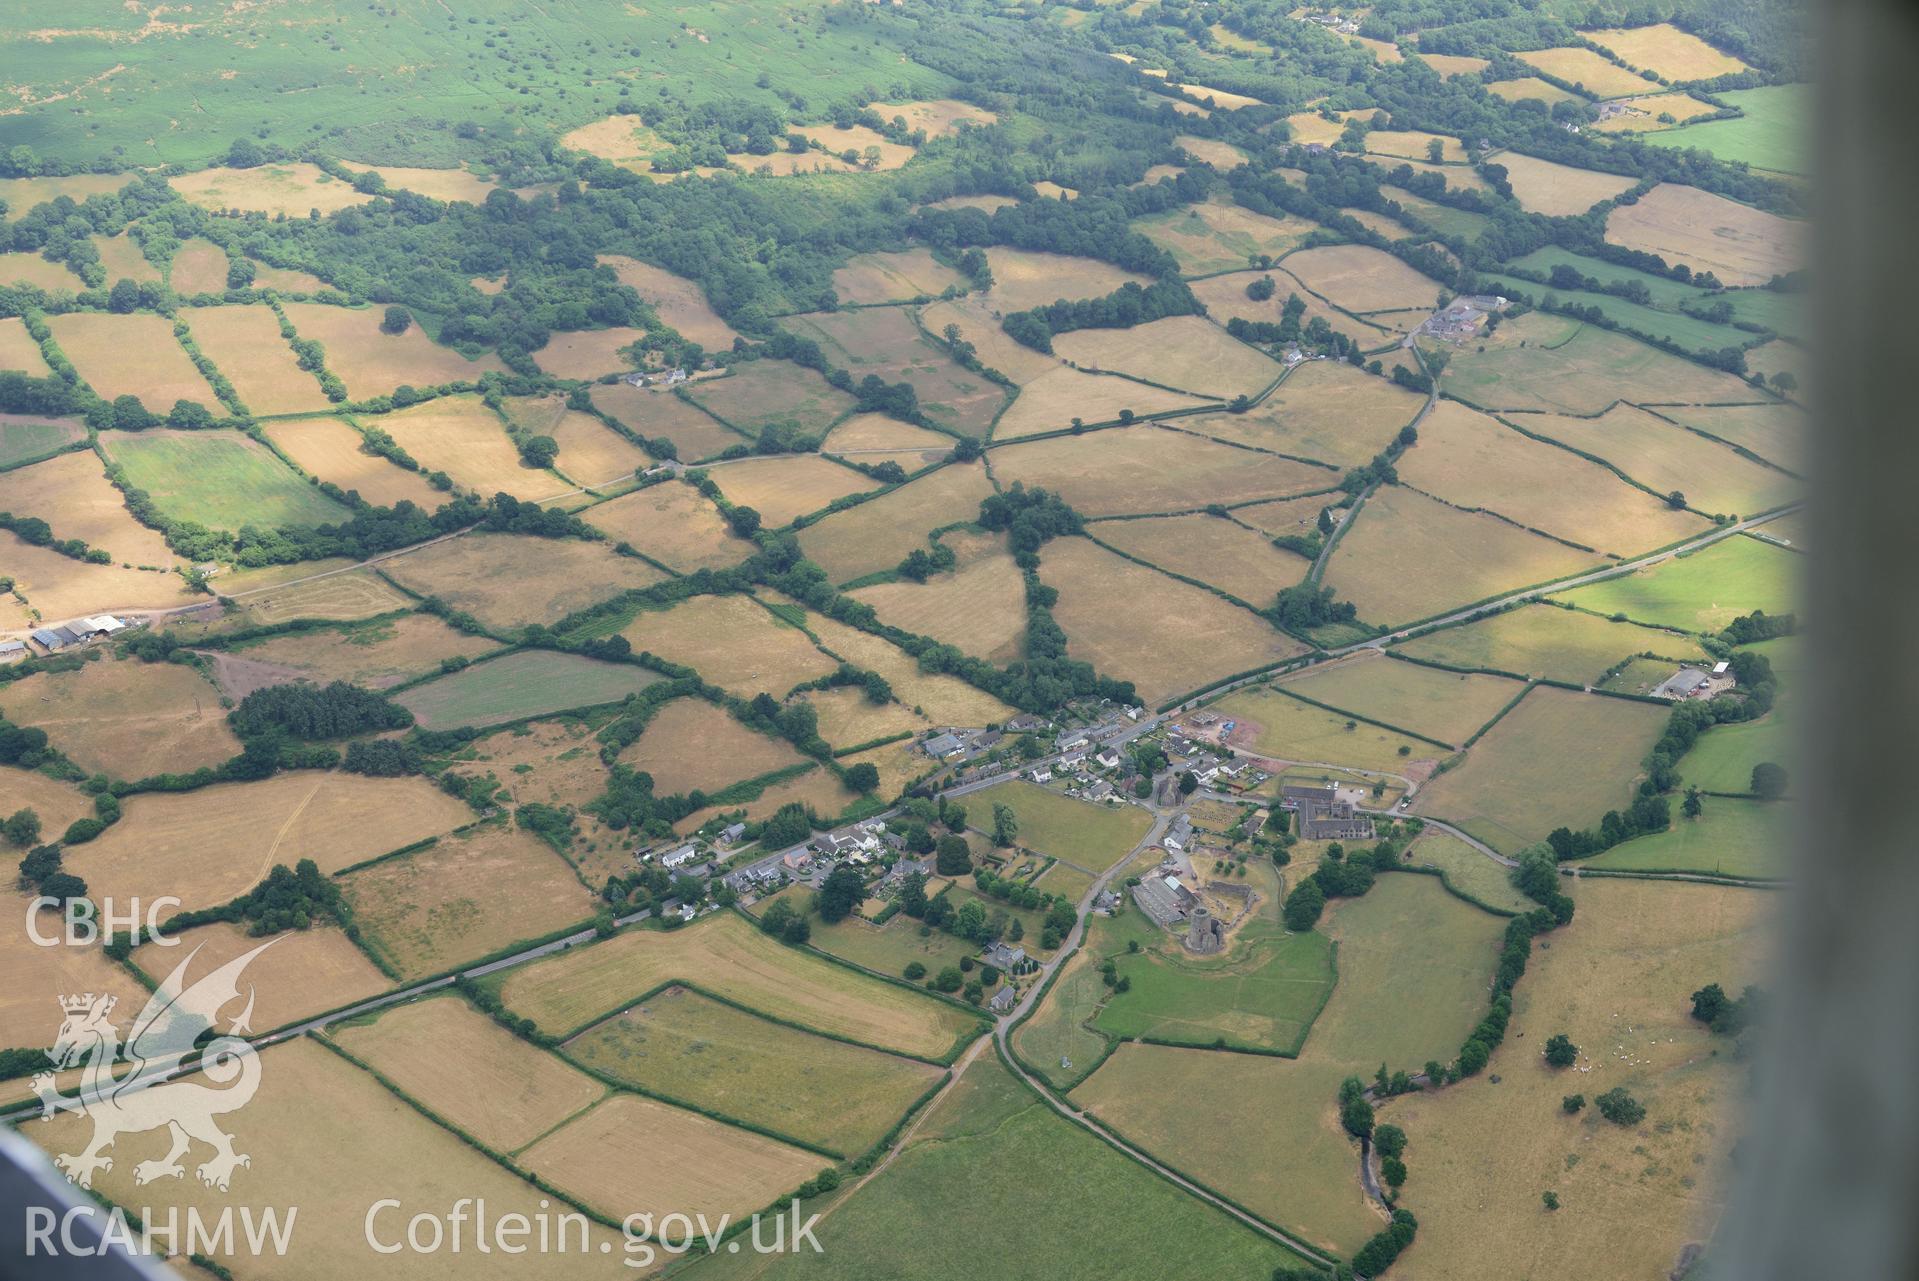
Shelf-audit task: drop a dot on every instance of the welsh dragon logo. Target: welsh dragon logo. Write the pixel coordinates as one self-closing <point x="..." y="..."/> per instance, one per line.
<point x="142" y="1097"/>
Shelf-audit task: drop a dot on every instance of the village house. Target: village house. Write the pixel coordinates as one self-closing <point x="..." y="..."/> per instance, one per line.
<point x="796" y="860"/>
<point x="1108" y="757"/>
<point x="941" y="746"/>
<point x="731" y="834"/>
<point x="1041" y="774"/>
<point x="680" y="857"/>
<point x="1003" y="1000"/>
<point x="1003" y="956"/>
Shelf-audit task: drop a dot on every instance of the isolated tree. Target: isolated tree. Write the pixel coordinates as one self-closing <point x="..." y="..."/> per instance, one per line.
<point x="22" y="828"/>
<point x="395" y="320"/>
<point x="1560" y="1051"/>
<point x="863" y="778"/>
<point x="1693" y="805"/>
<point x="1708" y="1002"/>
<point x="839" y="894"/>
<point x="1549" y="1199"/>
<point x="1572" y="1103"/>
<point x="1355" y="1113"/>
<point x="1005" y="825"/>
<point x="1676" y="500"/>
<point x="951" y="857"/>
<point x="1188" y="782"/>
<point x="1620" y="1107"/>
<point x="539" y="451"/>
<point x="1768" y="781"/>
<point x="1390" y="1140"/>
<point x="914" y="971"/>
<point x="1303" y="907"/>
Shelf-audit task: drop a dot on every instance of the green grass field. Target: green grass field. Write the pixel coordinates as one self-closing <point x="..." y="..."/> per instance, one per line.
<point x="887" y="948"/>
<point x="1722" y="759"/>
<point x="390" y="85"/>
<point x="1448" y="706"/>
<point x="1262" y="993"/>
<point x="530" y="683"/>
<point x="689" y="1048"/>
<point x="1732" y="837"/>
<point x="1058" y="1040"/>
<point x="1701" y="592"/>
<point x="1092" y="836"/>
<point x="219" y="479"/>
<point x="1675" y="327"/>
<point x="978" y="1193"/>
<point x="1770" y="135"/>
<point x="1558" y="759"/>
<point x="1541" y="640"/>
<point x="1443" y="219"/>
<point x="1469" y="872"/>
<point x="25" y="442"/>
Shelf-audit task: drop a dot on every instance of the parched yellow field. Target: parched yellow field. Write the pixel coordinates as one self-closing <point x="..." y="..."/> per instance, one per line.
<point x="1739" y="244"/>
<point x="292" y="189"/>
<point x="121" y="259"/>
<point x="373" y="656"/>
<point x="979" y="325"/>
<point x="1449" y="65"/>
<point x="1280" y="728"/>
<point x="1414" y="144"/>
<point x="1023" y="278"/>
<point x="1384" y="225"/>
<point x="460" y="436"/>
<point x="1186" y="352"/>
<point x="733" y="642"/>
<point x="1470" y="459"/>
<point x="244" y="343"/>
<point x="1134" y="624"/>
<point x="1584" y="69"/>
<point x="691" y="745"/>
<point x="31" y="269"/>
<point x="980" y="607"/>
<point x="672" y="523"/>
<point x="1656" y="453"/>
<point x="435" y="184"/>
<point x="1664" y="49"/>
<point x="1408" y="557"/>
<point x="1557" y="190"/>
<point x="1285" y="515"/>
<point x="285" y="280"/>
<point x="1359" y="278"/>
<point x="1644" y="112"/>
<point x="694" y="1165"/>
<point x="591" y="453"/>
<point x="1218" y="99"/>
<point x="340" y="597"/>
<point x="1325" y="410"/>
<point x="1228" y="555"/>
<point x="134" y="355"/>
<point x="1218" y="235"/>
<point x="331" y="450"/>
<point x="783" y="488"/>
<point x="1135" y="470"/>
<point x="1225" y="299"/>
<point x="20" y="350"/>
<point x="372" y="363"/>
<point x="894" y="277"/>
<point x="464" y="897"/>
<point x="884" y="342"/>
<point x="1776" y="432"/>
<point x="72" y="494"/>
<point x="555" y="762"/>
<point x="60" y="587"/>
<point x="618" y="139"/>
<point x="210" y="846"/>
<point x="686" y="1046"/>
<point x="1462" y="177"/>
<point x="985" y="204"/>
<point x="945" y="700"/>
<point x="846" y="717"/>
<point x="878" y="533"/>
<point x="199" y="267"/>
<point x="37" y="977"/>
<point x="1616" y="982"/>
<point x="329" y="1138"/>
<point x="1220" y="155"/>
<point x="1051" y="401"/>
<point x="1560" y="758"/>
<point x="1540" y="640"/>
<point x="302" y="974"/>
<point x="1554" y="364"/>
<point x="1448" y="706"/>
<point x="937" y="116"/>
<point x="1531" y="89"/>
<point x="865" y="435"/>
<point x="679" y="301"/>
<point x="818" y="790"/>
<point x="23" y="195"/>
<point x="125" y="718"/>
<point x="588" y="353"/>
<point x="510" y="580"/>
<point x="758" y="393"/>
<point x="727" y="955"/>
<point x="464" y="1067"/>
<point x="857" y="138"/>
<point x="657" y="414"/>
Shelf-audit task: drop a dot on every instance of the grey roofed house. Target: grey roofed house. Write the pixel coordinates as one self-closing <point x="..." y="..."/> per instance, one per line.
<point x="1002" y="957"/>
<point x="940" y="746"/>
<point x="1683" y="683"/>
<point x="732" y="832"/>
<point x="1003" y="1000"/>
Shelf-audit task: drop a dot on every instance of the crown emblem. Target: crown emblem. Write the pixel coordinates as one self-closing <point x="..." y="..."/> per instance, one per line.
<point x="82" y="1004"/>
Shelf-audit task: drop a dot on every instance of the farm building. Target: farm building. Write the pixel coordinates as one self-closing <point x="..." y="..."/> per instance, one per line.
<point x="12" y="651"/>
<point x="941" y="746"/>
<point x="1003" y="1001"/>
<point x="1163" y="899"/>
<point x="55" y="639"/>
<point x="1323" y="816"/>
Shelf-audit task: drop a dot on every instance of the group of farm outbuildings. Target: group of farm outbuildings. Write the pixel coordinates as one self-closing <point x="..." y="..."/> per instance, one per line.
<point x="44" y="642"/>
